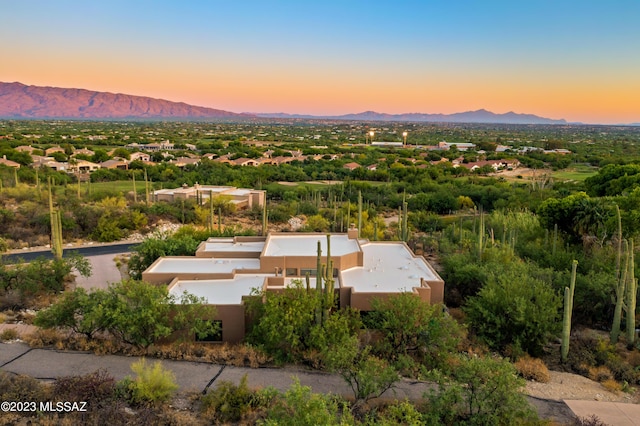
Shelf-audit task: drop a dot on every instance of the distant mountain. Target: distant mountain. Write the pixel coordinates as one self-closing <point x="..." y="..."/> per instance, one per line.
<point x="20" y="101"/>
<point x="479" y="116"/>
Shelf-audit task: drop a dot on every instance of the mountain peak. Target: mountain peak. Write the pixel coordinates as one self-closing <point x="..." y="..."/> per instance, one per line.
<point x="18" y="100"/>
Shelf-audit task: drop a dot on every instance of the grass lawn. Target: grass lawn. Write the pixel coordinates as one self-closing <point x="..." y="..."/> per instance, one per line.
<point x="579" y="172"/>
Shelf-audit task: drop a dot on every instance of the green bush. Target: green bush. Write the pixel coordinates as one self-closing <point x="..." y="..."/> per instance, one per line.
<point x="300" y="407"/>
<point x="153" y="384"/>
<point x="514" y="309"/>
<point x="228" y="402"/>
<point x="482" y="391"/>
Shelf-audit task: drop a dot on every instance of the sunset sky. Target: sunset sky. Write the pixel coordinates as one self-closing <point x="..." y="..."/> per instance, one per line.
<point x="577" y="60"/>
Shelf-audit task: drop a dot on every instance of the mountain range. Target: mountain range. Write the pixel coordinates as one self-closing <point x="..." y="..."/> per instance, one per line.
<point x="479" y="116"/>
<point x="20" y="101"/>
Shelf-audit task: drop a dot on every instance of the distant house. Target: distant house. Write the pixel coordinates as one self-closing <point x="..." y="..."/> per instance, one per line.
<point x="246" y="162"/>
<point x="351" y="166"/>
<point x="83" y="166"/>
<point x="446" y="146"/>
<point x="25" y="148"/>
<point x="9" y="163"/>
<point x="84" y="151"/>
<point x="372" y="167"/>
<point x="240" y="197"/>
<point x="185" y="161"/>
<point x="139" y="156"/>
<point x="495" y="164"/>
<point x="115" y="164"/>
<point x="53" y="150"/>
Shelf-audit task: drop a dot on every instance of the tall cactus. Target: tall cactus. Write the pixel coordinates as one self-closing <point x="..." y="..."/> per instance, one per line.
<point x="481" y="235"/>
<point x="405" y="221"/>
<point x="135" y="190"/>
<point x="56" y="227"/>
<point x="146" y="187"/>
<point x="568" y="309"/>
<point x="264" y="218"/>
<point x="630" y="305"/>
<point x="319" y="283"/>
<point x="619" y="294"/>
<point x="328" y="283"/>
<point x="359" y="213"/>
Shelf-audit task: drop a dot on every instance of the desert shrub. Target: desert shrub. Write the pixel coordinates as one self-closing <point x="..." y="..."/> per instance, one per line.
<point x="3" y="318"/>
<point x="22" y="388"/>
<point x="612" y="386"/>
<point x="514" y="308"/>
<point x="412" y="329"/>
<point x="481" y="390"/>
<point x="532" y="369"/>
<point x="228" y="402"/>
<point x="152" y="384"/>
<point x="592" y="420"/>
<point x="97" y="388"/>
<point x="600" y="374"/>
<point x="42" y="338"/>
<point x="399" y="413"/>
<point x="300" y="407"/>
<point x="8" y="334"/>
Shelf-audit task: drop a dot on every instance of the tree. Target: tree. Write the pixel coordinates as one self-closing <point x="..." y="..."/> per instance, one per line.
<point x="514" y="309"/>
<point x="133" y="311"/>
<point x="286" y="326"/>
<point x="367" y="375"/>
<point x="139" y="313"/>
<point x="481" y="391"/>
<point x="75" y="310"/>
<point x="413" y="329"/>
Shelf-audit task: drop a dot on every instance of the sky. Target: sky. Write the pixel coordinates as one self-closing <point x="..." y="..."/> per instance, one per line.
<point x="577" y="60"/>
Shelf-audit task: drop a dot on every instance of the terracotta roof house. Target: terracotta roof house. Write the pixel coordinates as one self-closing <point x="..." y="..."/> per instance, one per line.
<point x="245" y="162"/>
<point x="225" y="271"/>
<point x="25" y="148"/>
<point x="115" y="164"/>
<point x="83" y="151"/>
<point x="139" y="156"/>
<point x="185" y="161"/>
<point x="9" y="163"/>
<point x="53" y="149"/>
<point x="351" y="166"/>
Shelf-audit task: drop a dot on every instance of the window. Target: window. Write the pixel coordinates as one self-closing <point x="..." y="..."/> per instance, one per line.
<point x="304" y="272"/>
<point x="292" y="272"/>
<point x="212" y="337"/>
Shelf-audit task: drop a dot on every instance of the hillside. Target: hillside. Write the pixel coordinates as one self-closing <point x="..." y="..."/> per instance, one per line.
<point x="21" y="101"/>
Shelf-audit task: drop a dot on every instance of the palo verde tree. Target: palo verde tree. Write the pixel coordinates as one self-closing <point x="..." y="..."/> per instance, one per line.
<point x="133" y="311"/>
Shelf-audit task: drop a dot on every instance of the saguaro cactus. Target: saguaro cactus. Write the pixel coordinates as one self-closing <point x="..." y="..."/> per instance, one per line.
<point x="630" y="305"/>
<point x="359" y="213"/>
<point x="56" y="227"/>
<point x="264" y="218"/>
<point x="568" y="309"/>
<point x="619" y="294"/>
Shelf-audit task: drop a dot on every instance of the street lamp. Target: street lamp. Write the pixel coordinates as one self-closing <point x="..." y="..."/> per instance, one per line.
<point x="371" y="133"/>
<point x="404" y="136"/>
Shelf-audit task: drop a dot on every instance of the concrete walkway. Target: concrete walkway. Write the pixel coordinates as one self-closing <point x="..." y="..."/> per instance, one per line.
<point x="48" y="364"/>
<point x="611" y="413"/>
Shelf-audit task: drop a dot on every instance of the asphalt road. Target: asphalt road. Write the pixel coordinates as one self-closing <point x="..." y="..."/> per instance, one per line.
<point x="87" y="251"/>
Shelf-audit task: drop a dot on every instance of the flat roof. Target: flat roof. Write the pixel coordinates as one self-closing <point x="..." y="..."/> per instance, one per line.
<point x="182" y="265"/>
<point x="388" y="268"/>
<point x="220" y="292"/>
<point x="307" y="245"/>
<point x="228" y="245"/>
